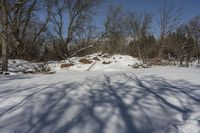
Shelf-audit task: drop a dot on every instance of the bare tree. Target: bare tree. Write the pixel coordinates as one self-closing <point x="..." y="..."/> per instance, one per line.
<point x="24" y="25"/>
<point x="113" y="19"/>
<point x="4" y="8"/>
<point x="169" y="19"/>
<point x="59" y="8"/>
<point x="138" y="25"/>
<point x="183" y="44"/>
<point x="77" y="13"/>
<point x="114" y="28"/>
<point x="193" y="28"/>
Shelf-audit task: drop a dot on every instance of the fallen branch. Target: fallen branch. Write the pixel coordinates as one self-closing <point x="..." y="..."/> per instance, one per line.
<point x="82" y="49"/>
<point x="91" y="66"/>
<point x="89" y="46"/>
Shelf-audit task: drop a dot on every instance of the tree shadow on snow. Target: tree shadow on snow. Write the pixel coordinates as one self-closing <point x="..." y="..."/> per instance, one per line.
<point x="4" y="78"/>
<point x="121" y="103"/>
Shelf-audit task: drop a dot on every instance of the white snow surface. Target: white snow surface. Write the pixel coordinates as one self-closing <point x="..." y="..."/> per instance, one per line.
<point x="154" y="100"/>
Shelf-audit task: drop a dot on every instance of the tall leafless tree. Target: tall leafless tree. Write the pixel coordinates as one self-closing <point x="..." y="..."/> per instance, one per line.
<point x="138" y="25"/>
<point x="114" y="28"/>
<point x="194" y="30"/>
<point x="76" y="12"/>
<point x="24" y="25"/>
<point x="4" y="34"/>
<point x="169" y="19"/>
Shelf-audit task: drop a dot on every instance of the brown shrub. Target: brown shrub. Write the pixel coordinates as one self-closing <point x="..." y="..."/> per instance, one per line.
<point x="85" y="61"/>
<point x="66" y="65"/>
<point x="106" y="62"/>
<point x="155" y="61"/>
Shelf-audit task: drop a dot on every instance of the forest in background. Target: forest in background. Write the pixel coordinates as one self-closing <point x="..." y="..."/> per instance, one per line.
<point x="43" y="30"/>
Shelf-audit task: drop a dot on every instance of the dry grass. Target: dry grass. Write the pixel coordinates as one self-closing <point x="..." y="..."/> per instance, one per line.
<point x="85" y="61"/>
<point x="66" y="65"/>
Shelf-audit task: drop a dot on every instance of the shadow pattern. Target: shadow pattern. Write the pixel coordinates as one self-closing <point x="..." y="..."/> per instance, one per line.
<point x="118" y="103"/>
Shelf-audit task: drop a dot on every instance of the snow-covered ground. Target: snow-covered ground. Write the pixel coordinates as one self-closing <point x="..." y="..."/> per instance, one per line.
<point x="154" y="100"/>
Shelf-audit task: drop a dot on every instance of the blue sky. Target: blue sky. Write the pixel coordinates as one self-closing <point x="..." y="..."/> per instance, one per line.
<point x="190" y="8"/>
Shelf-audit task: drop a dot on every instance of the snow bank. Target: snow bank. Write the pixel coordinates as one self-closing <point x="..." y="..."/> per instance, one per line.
<point x="21" y="66"/>
<point x="99" y="62"/>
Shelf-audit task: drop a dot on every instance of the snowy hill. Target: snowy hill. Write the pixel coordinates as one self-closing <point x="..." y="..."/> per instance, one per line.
<point x="93" y="62"/>
<point x="98" y="62"/>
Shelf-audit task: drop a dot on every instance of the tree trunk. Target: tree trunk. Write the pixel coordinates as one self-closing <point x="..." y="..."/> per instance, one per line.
<point x="160" y="50"/>
<point x="4" y="36"/>
<point x="181" y="60"/>
<point x="4" y="55"/>
<point x="187" y="60"/>
<point x="198" y="58"/>
<point x="139" y="51"/>
<point x="181" y="56"/>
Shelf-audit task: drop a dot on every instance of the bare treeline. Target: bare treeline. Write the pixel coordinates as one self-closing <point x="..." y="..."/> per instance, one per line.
<point x="56" y="29"/>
